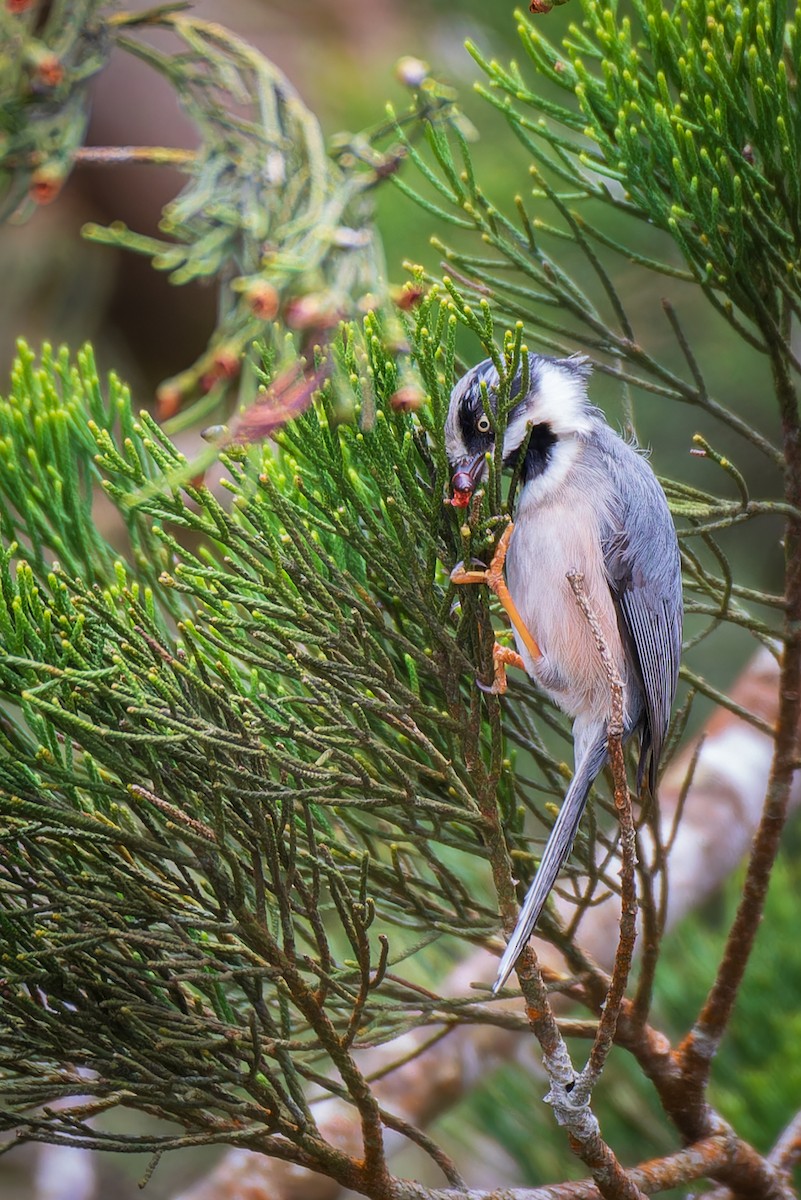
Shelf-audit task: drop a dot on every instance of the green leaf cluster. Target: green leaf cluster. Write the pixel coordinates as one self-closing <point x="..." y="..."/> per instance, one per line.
<point x="680" y="119"/>
<point x="227" y="749"/>
<point x="45" y="67"/>
<point x="689" y="109"/>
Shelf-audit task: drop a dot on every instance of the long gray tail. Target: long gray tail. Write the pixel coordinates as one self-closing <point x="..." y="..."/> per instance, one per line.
<point x="556" y="851"/>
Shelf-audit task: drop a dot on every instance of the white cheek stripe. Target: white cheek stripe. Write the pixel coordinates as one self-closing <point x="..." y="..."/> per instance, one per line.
<point x="561" y="401"/>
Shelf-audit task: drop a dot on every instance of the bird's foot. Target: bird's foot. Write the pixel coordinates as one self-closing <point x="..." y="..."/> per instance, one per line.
<point x="502" y="657"/>
<point x="460" y="573"/>
<point x="492" y="576"/>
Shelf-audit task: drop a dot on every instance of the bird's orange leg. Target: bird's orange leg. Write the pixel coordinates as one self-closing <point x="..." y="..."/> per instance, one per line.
<point x="493" y="578"/>
<point x="502" y="657"/>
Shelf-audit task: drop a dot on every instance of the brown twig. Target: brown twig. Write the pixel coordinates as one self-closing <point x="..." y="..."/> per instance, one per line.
<point x="370" y="1173"/>
<point x="427" y="1145"/>
<point x="782" y="1158"/>
<point x="650" y="1177"/>
<point x="158" y="156"/>
<point x="787" y="1151"/>
<point x="624" y="954"/>
<point x="651" y="875"/>
<point x="654" y="922"/>
<point x="572" y="1112"/>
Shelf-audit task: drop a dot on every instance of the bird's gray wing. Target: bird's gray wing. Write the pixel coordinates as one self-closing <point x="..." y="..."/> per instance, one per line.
<point x="644" y="571"/>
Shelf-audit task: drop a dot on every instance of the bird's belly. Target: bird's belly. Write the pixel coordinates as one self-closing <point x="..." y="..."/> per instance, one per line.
<point x="547" y="545"/>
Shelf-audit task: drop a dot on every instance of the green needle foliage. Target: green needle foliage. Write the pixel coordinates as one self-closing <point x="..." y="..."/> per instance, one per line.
<point x="265" y="209"/>
<point x="683" y="118"/>
<point x="225" y="753"/>
<point x="46" y="62"/>
<point x="284" y="227"/>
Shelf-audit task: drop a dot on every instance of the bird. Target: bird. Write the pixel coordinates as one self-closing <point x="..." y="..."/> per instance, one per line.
<point x="588" y="502"/>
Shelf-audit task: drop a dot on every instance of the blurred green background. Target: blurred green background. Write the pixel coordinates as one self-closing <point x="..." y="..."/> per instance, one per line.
<point x="341" y="58"/>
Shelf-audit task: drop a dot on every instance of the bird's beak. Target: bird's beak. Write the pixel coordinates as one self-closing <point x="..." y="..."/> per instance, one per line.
<point x="464" y="480"/>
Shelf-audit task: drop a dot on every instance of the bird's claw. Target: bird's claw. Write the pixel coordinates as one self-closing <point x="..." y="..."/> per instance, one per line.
<point x="462" y="574"/>
<point x="492" y="576"/>
<point x="502" y="657"/>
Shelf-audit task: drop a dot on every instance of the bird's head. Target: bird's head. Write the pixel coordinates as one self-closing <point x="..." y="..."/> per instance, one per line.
<point x="554" y="407"/>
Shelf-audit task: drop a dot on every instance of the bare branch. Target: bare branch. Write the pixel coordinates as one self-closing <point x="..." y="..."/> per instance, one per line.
<point x="787" y="1151"/>
<point x="701" y="1044"/>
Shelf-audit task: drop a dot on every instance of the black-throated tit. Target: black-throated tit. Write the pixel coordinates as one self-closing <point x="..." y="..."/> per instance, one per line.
<point x="590" y="503"/>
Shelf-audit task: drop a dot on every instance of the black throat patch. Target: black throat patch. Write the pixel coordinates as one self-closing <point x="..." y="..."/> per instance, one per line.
<point x="538" y="452"/>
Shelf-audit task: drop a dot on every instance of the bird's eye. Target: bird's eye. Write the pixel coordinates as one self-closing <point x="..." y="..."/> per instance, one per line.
<point x="483" y="424"/>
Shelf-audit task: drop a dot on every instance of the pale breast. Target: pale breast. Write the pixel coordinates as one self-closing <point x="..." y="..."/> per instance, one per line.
<point x="550" y="540"/>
